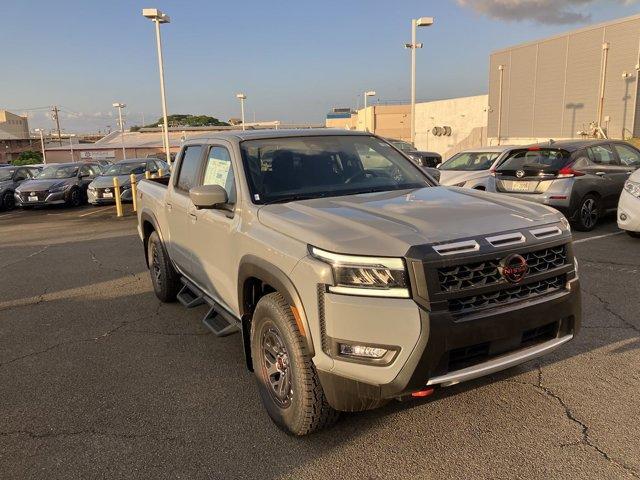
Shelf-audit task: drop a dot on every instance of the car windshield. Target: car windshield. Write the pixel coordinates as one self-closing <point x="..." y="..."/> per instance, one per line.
<point x="126" y="168"/>
<point x="53" y="172"/>
<point x="404" y="146"/>
<point x="470" y="161"/>
<point x="534" y="158"/>
<point x="6" y="174"/>
<point x="296" y="168"/>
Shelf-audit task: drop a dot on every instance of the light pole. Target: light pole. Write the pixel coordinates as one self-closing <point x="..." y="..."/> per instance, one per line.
<point x="242" y="97"/>
<point x="158" y="17"/>
<point x="500" y="86"/>
<point x="120" y="106"/>
<point x="44" y="155"/>
<point x="416" y="22"/>
<point x="366" y="95"/>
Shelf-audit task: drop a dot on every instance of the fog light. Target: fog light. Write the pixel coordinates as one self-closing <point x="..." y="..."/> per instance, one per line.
<point x="362" y="351"/>
<point x="623" y="217"/>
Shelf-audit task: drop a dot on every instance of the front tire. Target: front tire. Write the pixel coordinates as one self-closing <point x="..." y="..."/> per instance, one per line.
<point x="165" y="279"/>
<point x="8" y="202"/>
<point x="287" y="379"/>
<point x="588" y="213"/>
<point x="75" y="198"/>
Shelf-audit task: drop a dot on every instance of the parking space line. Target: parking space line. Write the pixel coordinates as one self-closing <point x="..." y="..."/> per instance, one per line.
<point x="597" y="237"/>
<point x="95" y="211"/>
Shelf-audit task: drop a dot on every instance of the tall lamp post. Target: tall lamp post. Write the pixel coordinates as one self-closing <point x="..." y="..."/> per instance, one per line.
<point x="415" y="23"/>
<point x="44" y="155"/>
<point x="120" y="106"/>
<point x="157" y="17"/>
<point x="366" y="95"/>
<point x="242" y="97"/>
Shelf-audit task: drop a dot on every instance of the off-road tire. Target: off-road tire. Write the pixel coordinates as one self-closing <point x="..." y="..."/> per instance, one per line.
<point x="165" y="279"/>
<point x="308" y="410"/>
<point x="584" y="222"/>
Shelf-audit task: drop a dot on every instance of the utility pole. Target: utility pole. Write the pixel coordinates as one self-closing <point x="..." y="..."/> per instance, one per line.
<point x="56" y="117"/>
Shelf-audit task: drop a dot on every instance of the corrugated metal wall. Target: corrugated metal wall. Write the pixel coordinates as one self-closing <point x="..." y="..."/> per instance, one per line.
<point x="551" y="87"/>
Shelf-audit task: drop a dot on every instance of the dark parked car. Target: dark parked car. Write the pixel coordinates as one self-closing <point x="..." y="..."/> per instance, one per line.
<point x="10" y="179"/>
<point x="62" y="183"/>
<point x="421" y="158"/>
<point x="581" y="178"/>
<point x="100" y="191"/>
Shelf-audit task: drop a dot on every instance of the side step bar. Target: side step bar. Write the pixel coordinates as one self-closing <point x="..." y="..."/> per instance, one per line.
<point x="217" y="319"/>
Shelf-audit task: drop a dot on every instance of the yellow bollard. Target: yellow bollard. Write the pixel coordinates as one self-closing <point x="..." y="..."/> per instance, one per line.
<point x="147" y="174"/>
<point x="116" y="193"/>
<point x="134" y="191"/>
<point x="160" y="173"/>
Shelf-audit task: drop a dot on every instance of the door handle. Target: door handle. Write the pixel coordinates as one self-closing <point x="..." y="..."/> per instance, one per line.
<point x="601" y="174"/>
<point x="193" y="217"/>
<point x="169" y="206"/>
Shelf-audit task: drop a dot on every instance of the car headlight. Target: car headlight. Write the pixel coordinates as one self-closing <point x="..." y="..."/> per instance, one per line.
<point x="125" y="187"/>
<point x="565" y="223"/>
<point x="633" y="188"/>
<point x="368" y="276"/>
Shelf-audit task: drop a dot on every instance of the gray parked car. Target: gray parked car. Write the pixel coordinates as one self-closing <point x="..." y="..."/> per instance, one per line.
<point x="581" y="178"/>
<point x="472" y="168"/>
<point x="58" y="184"/>
<point x="10" y="178"/>
<point x="100" y="191"/>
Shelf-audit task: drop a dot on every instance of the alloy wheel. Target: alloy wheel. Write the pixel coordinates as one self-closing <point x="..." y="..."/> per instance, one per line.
<point x="276" y="367"/>
<point x="589" y="212"/>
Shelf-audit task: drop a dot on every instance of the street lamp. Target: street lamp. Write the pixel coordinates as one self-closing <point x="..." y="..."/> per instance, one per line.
<point x="157" y="17"/>
<point x="366" y="95"/>
<point x="44" y="155"/>
<point x="120" y="106"/>
<point x="242" y="97"/>
<point x="416" y="22"/>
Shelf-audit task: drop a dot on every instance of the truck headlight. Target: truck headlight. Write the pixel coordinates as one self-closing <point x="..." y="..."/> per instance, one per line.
<point x="633" y="188"/>
<point x="368" y="276"/>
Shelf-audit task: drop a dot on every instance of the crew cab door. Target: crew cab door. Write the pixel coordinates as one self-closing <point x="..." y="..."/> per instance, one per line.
<point x="213" y="232"/>
<point x="177" y="203"/>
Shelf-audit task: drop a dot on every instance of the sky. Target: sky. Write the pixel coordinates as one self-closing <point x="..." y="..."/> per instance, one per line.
<point x="294" y="60"/>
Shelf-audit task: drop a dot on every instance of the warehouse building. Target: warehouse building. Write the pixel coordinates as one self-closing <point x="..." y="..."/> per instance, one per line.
<point x="567" y="86"/>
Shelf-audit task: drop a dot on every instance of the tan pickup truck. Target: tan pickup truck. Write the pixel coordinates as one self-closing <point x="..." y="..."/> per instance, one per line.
<point x="351" y="276"/>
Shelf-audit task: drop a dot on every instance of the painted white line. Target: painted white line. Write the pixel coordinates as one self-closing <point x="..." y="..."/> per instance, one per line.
<point x="597" y="237"/>
<point x="95" y="211"/>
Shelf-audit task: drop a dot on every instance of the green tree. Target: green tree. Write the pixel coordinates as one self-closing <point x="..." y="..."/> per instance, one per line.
<point x="181" y="120"/>
<point x="28" y="157"/>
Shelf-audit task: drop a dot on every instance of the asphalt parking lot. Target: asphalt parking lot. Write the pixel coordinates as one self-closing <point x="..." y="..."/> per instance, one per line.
<point x="100" y="380"/>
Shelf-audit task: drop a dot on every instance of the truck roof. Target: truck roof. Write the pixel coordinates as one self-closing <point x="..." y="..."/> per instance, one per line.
<point x="240" y="135"/>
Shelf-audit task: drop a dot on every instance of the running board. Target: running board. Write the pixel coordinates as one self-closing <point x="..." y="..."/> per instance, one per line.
<point x="217" y="319"/>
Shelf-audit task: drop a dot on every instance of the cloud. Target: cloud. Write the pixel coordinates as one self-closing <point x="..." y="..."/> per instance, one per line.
<point x="555" y="12"/>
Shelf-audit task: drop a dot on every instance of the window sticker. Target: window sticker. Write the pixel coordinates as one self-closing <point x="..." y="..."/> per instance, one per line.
<point x="217" y="172"/>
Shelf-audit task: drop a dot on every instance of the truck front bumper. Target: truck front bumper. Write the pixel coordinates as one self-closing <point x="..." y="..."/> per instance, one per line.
<point x="450" y="351"/>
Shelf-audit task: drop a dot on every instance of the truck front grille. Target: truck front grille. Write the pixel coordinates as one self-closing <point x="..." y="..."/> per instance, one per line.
<point x="501" y="297"/>
<point x="479" y="274"/>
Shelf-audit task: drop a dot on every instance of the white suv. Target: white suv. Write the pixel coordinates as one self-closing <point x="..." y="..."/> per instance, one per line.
<point x="629" y="206"/>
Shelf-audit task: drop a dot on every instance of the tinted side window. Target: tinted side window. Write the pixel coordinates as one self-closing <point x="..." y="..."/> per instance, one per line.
<point x="602" y="155"/>
<point x="189" y="167"/>
<point x="20" y="175"/>
<point x="628" y="156"/>
<point x="219" y="171"/>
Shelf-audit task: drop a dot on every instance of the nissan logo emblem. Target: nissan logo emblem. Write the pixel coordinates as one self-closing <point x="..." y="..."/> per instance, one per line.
<point x="520" y="173"/>
<point x="513" y="268"/>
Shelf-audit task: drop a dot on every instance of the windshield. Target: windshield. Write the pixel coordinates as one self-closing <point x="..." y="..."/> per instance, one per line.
<point x="470" y="161"/>
<point x="296" y="168"/>
<point x="126" y="168"/>
<point x="65" y="171"/>
<point x="404" y="146"/>
<point x="546" y="159"/>
<point x="6" y="174"/>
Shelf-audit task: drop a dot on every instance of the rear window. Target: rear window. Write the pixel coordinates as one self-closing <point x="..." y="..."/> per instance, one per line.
<point x="544" y="159"/>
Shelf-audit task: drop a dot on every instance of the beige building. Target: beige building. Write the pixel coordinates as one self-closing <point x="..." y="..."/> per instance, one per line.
<point x="553" y="88"/>
<point x="14" y="136"/>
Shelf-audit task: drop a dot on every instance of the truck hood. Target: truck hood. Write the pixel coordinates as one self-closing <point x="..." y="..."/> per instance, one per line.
<point x="389" y="223"/>
<point x="452" y="177"/>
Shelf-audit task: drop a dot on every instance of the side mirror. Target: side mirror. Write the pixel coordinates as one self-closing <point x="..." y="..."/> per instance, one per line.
<point x="208" y="196"/>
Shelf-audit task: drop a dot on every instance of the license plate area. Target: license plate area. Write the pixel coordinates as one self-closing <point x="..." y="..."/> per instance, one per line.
<point x="32" y="199"/>
<point x="107" y="195"/>
<point x="520" y="186"/>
